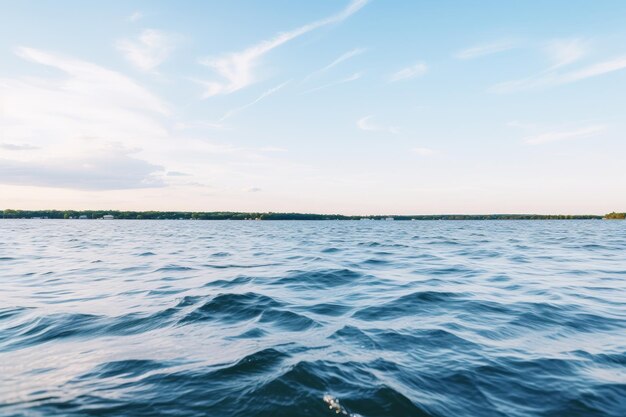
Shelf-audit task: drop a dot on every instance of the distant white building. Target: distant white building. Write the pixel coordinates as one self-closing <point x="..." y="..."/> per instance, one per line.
<point x="108" y="217"/>
<point x="389" y="218"/>
<point x="82" y="217"/>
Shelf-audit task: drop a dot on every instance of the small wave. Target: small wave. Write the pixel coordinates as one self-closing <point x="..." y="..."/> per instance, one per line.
<point x="406" y="305"/>
<point x="10" y="312"/>
<point x="232" y="308"/>
<point x="611" y="359"/>
<point x="255" y="363"/>
<point x="320" y="279"/>
<point x="331" y="250"/>
<point x="174" y="268"/>
<point x="420" y="341"/>
<point x="235" y="266"/>
<point x="255" y="334"/>
<point x="163" y="291"/>
<point x="328" y="309"/>
<point x="223" y="283"/>
<point x="544" y="315"/>
<point x="355" y="336"/>
<point x="370" y="244"/>
<point x="60" y="326"/>
<point x="287" y="320"/>
<point x="130" y="368"/>
<point x="375" y="261"/>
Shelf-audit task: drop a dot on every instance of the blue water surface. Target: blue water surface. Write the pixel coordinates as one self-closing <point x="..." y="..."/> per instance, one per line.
<point x="314" y="318"/>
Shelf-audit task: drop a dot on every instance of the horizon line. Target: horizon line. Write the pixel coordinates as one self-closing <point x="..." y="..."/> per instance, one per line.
<point x="13" y="213"/>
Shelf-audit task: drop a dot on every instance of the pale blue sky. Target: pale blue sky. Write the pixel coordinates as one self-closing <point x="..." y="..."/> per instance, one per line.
<point x="327" y="106"/>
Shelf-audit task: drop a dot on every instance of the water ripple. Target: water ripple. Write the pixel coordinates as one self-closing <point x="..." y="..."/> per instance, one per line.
<point x="360" y="319"/>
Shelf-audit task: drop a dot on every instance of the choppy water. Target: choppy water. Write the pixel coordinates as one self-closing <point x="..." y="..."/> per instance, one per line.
<point x="181" y="318"/>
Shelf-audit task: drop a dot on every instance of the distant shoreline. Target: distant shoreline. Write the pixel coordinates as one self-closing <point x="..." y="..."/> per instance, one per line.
<point x="189" y="215"/>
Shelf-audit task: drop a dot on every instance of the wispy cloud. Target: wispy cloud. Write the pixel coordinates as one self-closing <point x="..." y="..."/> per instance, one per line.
<point x="409" y="72"/>
<point x="17" y="147"/>
<point x="344" y="57"/>
<point x="484" y="49"/>
<point x="85" y="82"/>
<point x="424" y="151"/>
<point x="105" y="170"/>
<point x="351" y="78"/>
<point x="263" y="95"/>
<point x="554" y="136"/>
<point x="553" y="78"/>
<point x="69" y="122"/>
<point x="96" y="129"/>
<point x="594" y="70"/>
<point x="135" y="16"/>
<point x="563" y="52"/>
<point x="366" y="123"/>
<point x="150" y="49"/>
<point x="176" y="174"/>
<point x="522" y="84"/>
<point x="237" y="69"/>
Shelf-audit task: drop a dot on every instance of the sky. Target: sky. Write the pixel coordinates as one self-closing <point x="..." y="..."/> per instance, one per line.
<point x="332" y="106"/>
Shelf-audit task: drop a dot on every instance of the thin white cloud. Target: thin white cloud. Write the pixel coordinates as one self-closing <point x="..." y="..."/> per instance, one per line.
<point x="484" y="49"/>
<point x="594" y="70"/>
<point x="72" y="116"/>
<point x="265" y="94"/>
<point x="554" y="136"/>
<point x="424" y="151"/>
<point x="522" y="84"/>
<point x="92" y="128"/>
<point x="85" y="82"/>
<point x="563" y="52"/>
<point x="176" y="174"/>
<point x="409" y="72"/>
<point x="553" y="78"/>
<point x="366" y="123"/>
<point x="150" y="49"/>
<point x="17" y="147"/>
<point x="344" y="57"/>
<point x="351" y="78"/>
<point x="237" y="69"/>
<point x="135" y="16"/>
<point x="105" y="170"/>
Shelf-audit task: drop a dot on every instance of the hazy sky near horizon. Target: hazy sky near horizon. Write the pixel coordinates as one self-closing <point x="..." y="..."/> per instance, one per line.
<point x="329" y="106"/>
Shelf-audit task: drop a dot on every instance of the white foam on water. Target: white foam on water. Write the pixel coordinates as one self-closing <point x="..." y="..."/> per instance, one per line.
<point x="333" y="404"/>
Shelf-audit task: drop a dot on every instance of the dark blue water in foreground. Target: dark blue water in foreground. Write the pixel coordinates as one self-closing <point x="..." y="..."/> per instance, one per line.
<point x="182" y="318"/>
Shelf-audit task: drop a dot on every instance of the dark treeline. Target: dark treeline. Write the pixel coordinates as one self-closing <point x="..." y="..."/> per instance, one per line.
<point x="615" y="216"/>
<point x="227" y="215"/>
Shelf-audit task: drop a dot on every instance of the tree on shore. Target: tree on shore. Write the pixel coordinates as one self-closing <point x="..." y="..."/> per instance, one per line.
<point x="227" y="215"/>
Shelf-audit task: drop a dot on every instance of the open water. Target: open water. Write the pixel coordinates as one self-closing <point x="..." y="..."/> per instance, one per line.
<point x="289" y="318"/>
